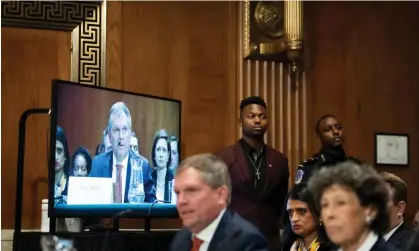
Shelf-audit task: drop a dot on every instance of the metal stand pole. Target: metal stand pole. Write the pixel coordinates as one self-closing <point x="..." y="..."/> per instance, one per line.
<point x="20" y="169"/>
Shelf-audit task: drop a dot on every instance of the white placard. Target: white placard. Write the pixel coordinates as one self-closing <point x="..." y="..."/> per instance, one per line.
<point x="89" y="191"/>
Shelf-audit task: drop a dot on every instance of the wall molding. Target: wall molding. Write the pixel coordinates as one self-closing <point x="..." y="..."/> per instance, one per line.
<point x="85" y="20"/>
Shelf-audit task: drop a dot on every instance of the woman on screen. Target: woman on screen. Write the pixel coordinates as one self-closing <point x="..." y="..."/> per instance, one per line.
<point x="160" y="156"/>
<point x="62" y="164"/>
<point x="82" y="162"/>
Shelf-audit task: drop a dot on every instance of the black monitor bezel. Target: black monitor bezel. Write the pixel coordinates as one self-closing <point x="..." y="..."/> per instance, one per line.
<point x="52" y="212"/>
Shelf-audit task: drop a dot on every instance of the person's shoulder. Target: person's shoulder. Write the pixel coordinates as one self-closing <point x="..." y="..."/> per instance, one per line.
<point x="246" y="236"/>
<point x="310" y="162"/>
<point x="243" y="225"/>
<point x="356" y="160"/>
<point x="101" y="157"/>
<point x="226" y="150"/>
<point x="382" y="245"/>
<point x="226" y="154"/>
<point x="180" y="239"/>
<point x="306" y="167"/>
<point x="275" y="153"/>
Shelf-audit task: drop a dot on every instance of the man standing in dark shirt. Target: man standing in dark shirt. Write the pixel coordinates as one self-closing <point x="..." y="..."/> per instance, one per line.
<point x="259" y="173"/>
<point x="330" y="133"/>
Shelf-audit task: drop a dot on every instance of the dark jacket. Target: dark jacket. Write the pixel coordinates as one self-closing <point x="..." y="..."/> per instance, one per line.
<point x="400" y="237"/>
<point x="327" y="156"/>
<point x="233" y="234"/>
<point x="263" y="209"/>
<point x="167" y="180"/>
<point x="381" y="245"/>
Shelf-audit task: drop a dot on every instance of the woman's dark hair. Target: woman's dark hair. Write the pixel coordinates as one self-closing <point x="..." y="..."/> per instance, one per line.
<point x="86" y="155"/>
<point x="300" y="192"/>
<point x="363" y="180"/>
<point x="100" y="149"/>
<point x="60" y="136"/>
<point x="161" y="134"/>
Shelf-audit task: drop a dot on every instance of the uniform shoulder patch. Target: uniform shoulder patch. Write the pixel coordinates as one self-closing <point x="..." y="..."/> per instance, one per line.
<point x="299" y="176"/>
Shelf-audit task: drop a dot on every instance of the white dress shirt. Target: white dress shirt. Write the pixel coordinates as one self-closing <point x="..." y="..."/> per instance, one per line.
<point x="389" y="234"/>
<point x="207" y="233"/>
<point x="369" y="242"/>
<point x="124" y="164"/>
<point x="160" y="183"/>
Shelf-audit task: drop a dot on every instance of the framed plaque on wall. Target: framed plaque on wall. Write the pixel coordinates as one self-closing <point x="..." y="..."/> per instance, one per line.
<point x="391" y="149"/>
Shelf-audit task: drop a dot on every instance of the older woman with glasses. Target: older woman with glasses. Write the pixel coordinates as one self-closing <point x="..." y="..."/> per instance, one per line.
<point x="352" y="199"/>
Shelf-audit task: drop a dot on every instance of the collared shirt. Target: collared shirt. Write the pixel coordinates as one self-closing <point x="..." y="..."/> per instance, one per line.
<point x="160" y="183"/>
<point x="124" y="164"/>
<point x="255" y="161"/>
<point x="207" y="233"/>
<point x="389" y="234"/>
<point x="369" y="242"/>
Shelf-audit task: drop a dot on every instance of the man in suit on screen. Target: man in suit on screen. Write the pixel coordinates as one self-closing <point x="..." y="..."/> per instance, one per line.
<point x="203" y="189"/>
<point x="117" y="163"/>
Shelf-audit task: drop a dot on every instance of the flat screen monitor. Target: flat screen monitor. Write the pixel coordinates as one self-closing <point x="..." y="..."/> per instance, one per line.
<point x="112" y="152"/>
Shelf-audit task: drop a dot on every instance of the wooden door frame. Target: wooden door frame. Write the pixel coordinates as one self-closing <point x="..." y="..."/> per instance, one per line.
<point x="85" y="20"/>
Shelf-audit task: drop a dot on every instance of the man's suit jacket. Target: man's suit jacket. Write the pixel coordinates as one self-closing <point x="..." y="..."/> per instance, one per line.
<point x="400" y="237"/>
<point x="262" y="209"/>
<point x="102" y="167"/>
<point x="380" y="245"/>
<point x="233" y="234"/>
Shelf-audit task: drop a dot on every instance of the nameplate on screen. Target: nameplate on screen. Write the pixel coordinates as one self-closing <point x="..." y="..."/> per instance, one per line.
<point x="89" y="191"/>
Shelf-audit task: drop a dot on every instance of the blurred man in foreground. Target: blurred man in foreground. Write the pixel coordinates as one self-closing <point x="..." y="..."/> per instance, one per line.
<point x="203" y="188"/>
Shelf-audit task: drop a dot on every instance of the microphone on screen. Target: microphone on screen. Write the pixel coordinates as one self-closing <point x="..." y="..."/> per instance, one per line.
<point x="152" y="205"/>
<point x="147" y="222"/>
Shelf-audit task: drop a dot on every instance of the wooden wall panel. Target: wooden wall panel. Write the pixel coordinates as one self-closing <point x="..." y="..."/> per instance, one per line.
<point x="30" y="59"/>
<point x="182" y="50"/>
<point x="286" y="96"/>
<point x="362" y="65"/>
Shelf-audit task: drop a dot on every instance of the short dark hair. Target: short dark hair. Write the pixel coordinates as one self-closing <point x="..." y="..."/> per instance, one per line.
<point x="398" y="185"/>
<point x="363" y="180"/>
<point x="252" y="100"/>
<point x="161" y="134"/>
<point x="317" y="129"/>
<point x="86" y="155"/>
<point x="100" y="149"/>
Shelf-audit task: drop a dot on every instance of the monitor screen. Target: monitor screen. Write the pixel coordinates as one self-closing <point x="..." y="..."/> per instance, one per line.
<point x="112" y="151"/>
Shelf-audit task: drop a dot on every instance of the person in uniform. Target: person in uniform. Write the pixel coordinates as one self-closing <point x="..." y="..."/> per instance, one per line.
<point x="330" y="133"/>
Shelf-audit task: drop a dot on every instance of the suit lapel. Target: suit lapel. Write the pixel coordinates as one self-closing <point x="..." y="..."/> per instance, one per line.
<point x="182" y="241"/>
<point x="397" y="236"/>
<point x="128" y="179"/>
<point x="379" y="245"/>
<point x="241" y="160"/>
<point x="270" y="175"/>
<point x="220" y="232"/>
<point x="110" y="161"/>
